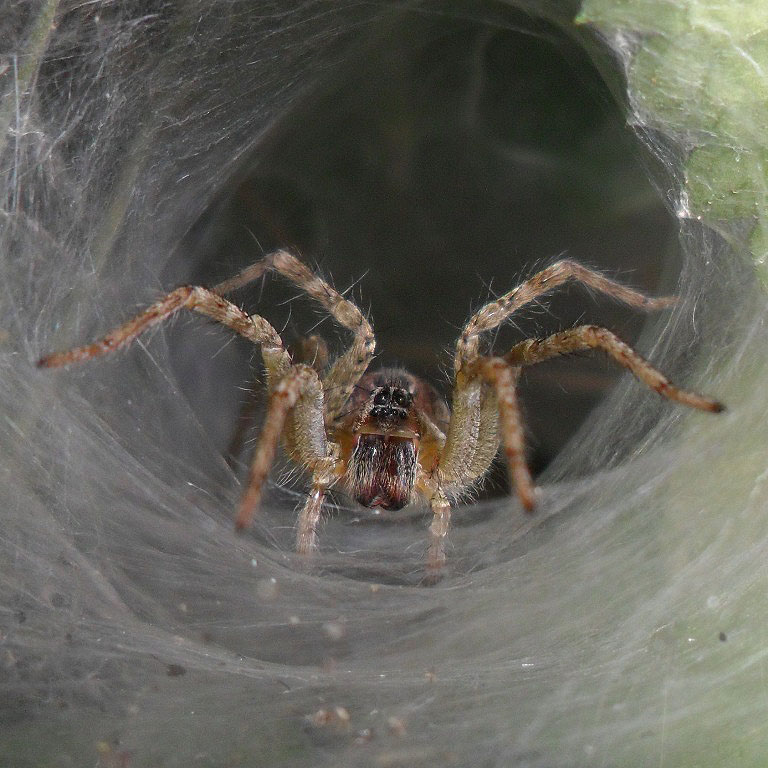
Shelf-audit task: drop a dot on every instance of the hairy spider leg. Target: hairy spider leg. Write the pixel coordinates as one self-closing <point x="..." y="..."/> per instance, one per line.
<point x="349" y="367"/>
<point x="309" y="519"/>
<point x="347" y="370"/>
<point x="503" y="377"/>
<point x="292" y="387"/>
<point x="298" y="394"/>
<point x="490" y="316"/>
<point x="465" y="446"/>
<point x="484" y="400"/>
<point x="298" y="408"/>
<point x="300" y="425"/>
<point x="438" y="534"/>
<point x="495" y="384"/>
<point x="251" y="273"/>
<point x="252" y="327"/>
<point x="311" y="350"/>
<point x="584" y="337"/>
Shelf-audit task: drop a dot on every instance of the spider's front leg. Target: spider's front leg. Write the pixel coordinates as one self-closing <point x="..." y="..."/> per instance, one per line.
<point x="296" y="397"/>
<point x="438" y="534"/>
<point x="504" y="377"/>
<point x="302" y="403"/>
<point x="481" y="392"/>
<point x="485" y="399"/>
<point x="484" y="394"/>
<point x="295" y="412"/>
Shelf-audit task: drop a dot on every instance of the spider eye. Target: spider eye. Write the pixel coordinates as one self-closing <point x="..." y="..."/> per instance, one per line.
<point x="401" y="398"/>
<point x="389" y="397"/>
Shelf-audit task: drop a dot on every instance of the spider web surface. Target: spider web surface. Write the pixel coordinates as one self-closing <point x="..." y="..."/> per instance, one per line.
<point x="623" y="624"/>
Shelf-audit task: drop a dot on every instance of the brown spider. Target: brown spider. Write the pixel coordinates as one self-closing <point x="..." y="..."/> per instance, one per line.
<point x="387" y="437"/>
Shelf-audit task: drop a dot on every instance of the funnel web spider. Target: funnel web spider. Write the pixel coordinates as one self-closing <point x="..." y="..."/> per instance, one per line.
<point x="386" y="437"/>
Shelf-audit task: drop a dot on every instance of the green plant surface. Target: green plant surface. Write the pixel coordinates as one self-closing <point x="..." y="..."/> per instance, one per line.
<point x="698" y="72"/>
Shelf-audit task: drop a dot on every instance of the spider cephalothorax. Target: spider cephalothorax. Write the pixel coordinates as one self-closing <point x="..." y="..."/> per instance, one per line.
<point x="383" y="431"/>
<point x="386" y="437"/>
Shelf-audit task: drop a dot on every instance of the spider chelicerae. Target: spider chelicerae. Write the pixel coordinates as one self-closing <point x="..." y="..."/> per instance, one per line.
<point x="386" y="437"/>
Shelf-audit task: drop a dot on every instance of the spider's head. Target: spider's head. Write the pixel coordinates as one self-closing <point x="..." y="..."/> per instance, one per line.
<point x="390" y="406"/>
<point x="384" y="460"/>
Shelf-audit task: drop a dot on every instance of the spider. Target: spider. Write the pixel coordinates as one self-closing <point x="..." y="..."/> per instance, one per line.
<point x="386" y="437"/>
